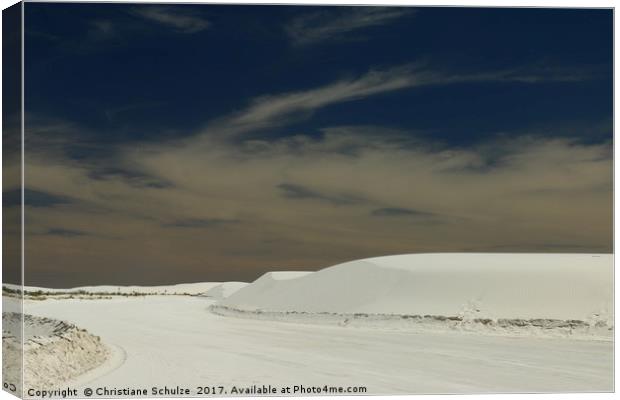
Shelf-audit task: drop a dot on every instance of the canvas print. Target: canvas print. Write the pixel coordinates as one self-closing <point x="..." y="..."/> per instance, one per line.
<point x="244" y="200"/>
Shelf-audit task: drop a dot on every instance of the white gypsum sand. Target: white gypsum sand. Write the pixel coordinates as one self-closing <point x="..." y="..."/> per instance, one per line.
<point x="175" y="340"/>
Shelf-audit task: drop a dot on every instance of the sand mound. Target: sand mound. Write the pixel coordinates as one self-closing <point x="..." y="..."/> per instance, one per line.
<point x="224" y="290"/>
<point x="54" y="351"/>
<point x="493" y="287"/>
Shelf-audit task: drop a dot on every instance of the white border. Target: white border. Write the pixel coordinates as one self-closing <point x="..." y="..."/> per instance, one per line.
<point x="480" y="3"/>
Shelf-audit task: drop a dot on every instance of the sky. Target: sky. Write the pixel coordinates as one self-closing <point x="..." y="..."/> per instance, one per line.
<point x="186" y="143"/>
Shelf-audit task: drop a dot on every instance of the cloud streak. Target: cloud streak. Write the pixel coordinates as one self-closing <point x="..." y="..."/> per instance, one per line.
<point x="298" y="192"/>
<point x="33" y="198"/>
<point x="329" y="25"/>
<point x="273" y="110"/>
<point x="270" y="110"/>
<point x="201" y="223"/>
<point x="175" y="18"/>
<point x="65" y="232"/>
<point x="399" y="212"/>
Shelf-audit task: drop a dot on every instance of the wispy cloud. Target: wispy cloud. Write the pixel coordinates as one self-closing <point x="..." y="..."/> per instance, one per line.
<point x="101" y="29"/>
<point x="293" y="191"/>
<point x="65" y="232"/>
<point x="132" y="178"/>
<point x="33" y="198"/>
<point x="336" y="24"/>
<point x="399" y="212"/>
<point x="269" y="107"/>
<point x="271" y="110"/>
<point x="201" y="222"/>
<point x="177" y="18"/>
<point x="279" y="109"/>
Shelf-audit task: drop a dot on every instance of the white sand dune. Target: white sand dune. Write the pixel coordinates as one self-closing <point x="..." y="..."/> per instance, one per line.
<point x="519" y="286"/>
<point x="224" y="290"/>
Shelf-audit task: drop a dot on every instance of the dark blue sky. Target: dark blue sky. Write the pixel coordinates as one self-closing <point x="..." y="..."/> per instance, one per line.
<point x="126" y="76"/>
<point x="180" y="143"/>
